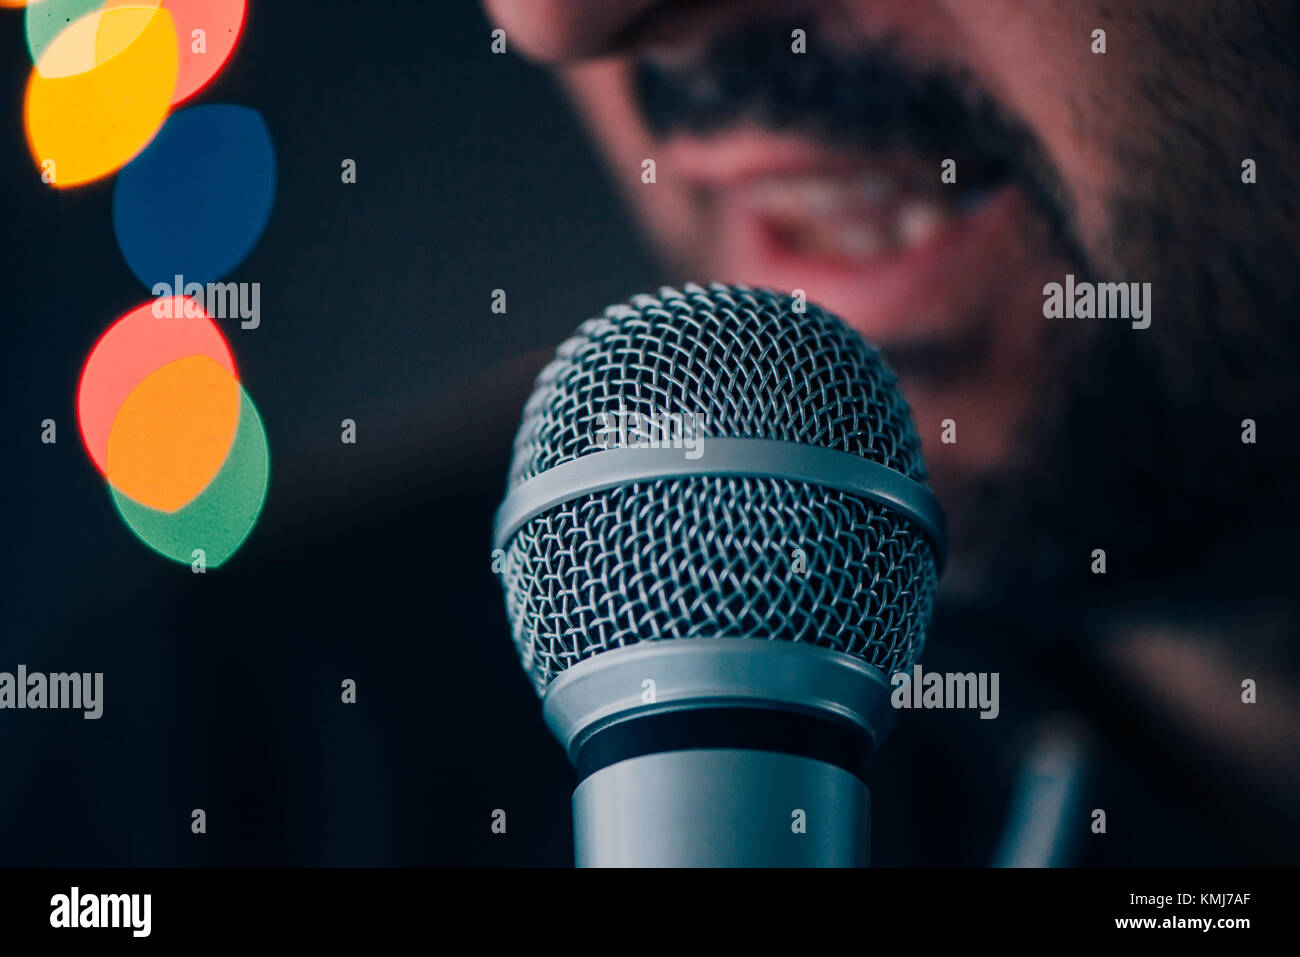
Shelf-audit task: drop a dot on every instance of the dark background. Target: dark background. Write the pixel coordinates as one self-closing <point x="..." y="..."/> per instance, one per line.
<point x="371" y="561"/>
<point x="222" y="690"/>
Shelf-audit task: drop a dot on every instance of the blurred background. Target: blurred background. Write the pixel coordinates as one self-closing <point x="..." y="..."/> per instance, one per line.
<point x="222" y="692"/>
<point x="371" y="561"/>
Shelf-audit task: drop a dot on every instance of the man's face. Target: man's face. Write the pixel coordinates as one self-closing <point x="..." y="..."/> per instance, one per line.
<point x="803" y="146"/>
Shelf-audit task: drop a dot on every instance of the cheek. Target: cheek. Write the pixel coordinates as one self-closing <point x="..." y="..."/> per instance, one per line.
<point x="602" y="94"/>
<point x="1040" y="63"/>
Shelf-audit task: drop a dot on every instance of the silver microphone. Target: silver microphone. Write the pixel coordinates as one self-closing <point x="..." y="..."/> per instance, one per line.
<point x="717" y="545"/>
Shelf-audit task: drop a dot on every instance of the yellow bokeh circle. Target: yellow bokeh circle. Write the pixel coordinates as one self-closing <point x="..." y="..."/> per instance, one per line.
<point x="100" y="93"/>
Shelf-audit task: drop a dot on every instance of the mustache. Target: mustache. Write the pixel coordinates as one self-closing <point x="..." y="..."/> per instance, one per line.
<point x="867" y="97"/>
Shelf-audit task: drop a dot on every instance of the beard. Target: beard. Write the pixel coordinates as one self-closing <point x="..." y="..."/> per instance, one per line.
<point x="1136" y="444"/>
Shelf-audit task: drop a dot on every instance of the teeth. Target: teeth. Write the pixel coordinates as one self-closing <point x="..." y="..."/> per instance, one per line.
<point x="860" y="218"/>
<point x="862" y="242"/>
<point x="779" y="197"/>
<point x="919" y="221"/>
<point x="820" y="196"/>
<point x="840" y="240"/>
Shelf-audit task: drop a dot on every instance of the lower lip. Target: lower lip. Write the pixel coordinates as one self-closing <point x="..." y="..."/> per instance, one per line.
<point x="911" y="294"/>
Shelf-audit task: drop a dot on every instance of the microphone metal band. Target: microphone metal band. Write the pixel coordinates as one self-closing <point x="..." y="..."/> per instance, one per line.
<point x="735" y="726"/>
<point x="755" y="458"/>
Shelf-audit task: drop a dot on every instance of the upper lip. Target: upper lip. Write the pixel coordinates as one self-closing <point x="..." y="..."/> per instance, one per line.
<point x="732" y="157"/>
<point x="737" y="158"/>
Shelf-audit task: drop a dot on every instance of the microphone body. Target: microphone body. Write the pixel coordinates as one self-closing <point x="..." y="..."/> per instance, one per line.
<point x="716" y="753"/>
<point x="717" y="544"/>
<point x="723" y="807"/>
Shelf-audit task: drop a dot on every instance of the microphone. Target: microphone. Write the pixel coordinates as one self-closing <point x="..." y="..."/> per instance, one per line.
<point x="718" y="544"/>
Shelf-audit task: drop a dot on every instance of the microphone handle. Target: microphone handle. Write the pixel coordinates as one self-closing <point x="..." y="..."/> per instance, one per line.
<point x="720" y="752"/>
<point x="721" y="807"/>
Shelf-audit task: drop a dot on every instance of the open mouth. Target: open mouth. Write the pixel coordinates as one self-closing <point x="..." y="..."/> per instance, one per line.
<point x="882" y="240"/>
<point x="862" y="217"/>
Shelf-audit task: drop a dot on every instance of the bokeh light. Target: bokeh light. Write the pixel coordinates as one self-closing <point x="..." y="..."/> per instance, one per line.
<point x="221" y="22"/>
<point x="87" y="121"/>
<point x="222" y="516"/>
<point x="212" y="169"/>
<point x="161" y="410"/>
<point x="135" y="346"/>
<point x="51" y="19"/>
<point x="172" y="433"/>
<point x="206" y="33"/>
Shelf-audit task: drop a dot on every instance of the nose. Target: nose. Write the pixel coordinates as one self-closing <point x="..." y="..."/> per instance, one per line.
<point x="557" y="31"/>
<point x="562" y="30"/>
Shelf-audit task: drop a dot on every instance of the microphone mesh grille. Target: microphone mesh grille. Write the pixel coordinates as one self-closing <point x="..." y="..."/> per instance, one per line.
<point x="713" y="556"/>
